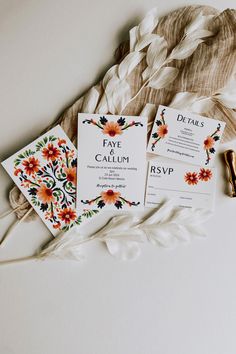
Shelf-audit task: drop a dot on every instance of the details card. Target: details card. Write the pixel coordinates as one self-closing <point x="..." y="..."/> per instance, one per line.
<point x="45" y="172"/>
<point x="190" y="186"/>
<point x="185" y="136"/>
<point x="112" y="163"/>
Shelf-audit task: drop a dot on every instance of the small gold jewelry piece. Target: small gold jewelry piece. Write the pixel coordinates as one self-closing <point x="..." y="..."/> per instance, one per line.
<point x="230" y="159"/>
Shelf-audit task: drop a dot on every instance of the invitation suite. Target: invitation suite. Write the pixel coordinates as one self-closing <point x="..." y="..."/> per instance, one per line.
<point x="190" y="186"/>
<point x="45" y="172"/>
<point x="185" y="136"/>
<point x="112" y="162"/>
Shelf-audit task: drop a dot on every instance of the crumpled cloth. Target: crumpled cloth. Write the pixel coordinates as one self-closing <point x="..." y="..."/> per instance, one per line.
<point x="205" y="72"/>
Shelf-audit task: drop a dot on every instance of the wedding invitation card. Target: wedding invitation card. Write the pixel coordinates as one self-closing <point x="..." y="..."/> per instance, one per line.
<point x="185" y="136"/>
<point x="45" y="172"/>
<point x="112" y="162"/>
<point x="188" y="185"/>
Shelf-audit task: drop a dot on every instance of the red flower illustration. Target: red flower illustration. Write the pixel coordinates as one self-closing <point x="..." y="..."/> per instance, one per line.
<point x="67" y="215"/>
<point x="31" y="165"/>
<point x="191" y="178"/>
<point x="51" y="152"/>
<point x="205" y="174"/>
<point x="45" y="194"/>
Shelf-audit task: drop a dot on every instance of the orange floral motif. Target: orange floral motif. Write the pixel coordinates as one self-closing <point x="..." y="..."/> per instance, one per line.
<point x="205" y="174"/>
<point x="17" y="171"/>
<point x="67" y="215"/>
<point x="57" y="225"/>
<point x="162" y="130"/>
<point x="45" y="194"/>
<point x="209" y="143"/>
<point x="61" y="142"/>
<point x="51" y="152"/>
<point x="71" y="174"/>
<point x="112" y="129"/>
<point x="31" y="165"/>
<point x="191" y="178"/>
<point x="48" y="215"/>
<point x="51" y="184"/>
<point x="25" y="184"/>
<point x="110" y="197"/>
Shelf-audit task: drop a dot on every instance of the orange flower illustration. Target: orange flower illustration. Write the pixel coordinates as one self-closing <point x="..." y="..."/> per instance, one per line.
<point x="67" y="215"/>
<point x="57" y="225"/>
<point x="191" y="178"/>
<point x="208" y="143"/>
<point x="48" y="173"/>
<point x="31" y="165"/>
<point x="205" y="174"/>
<point x="71" y="174"/>
<point x="51" y="152"/>
<point x="162" y="130"/>
<point x="112" y="129"/>
<point x="17" y="171"/>
<point x="45" y="194"/>
<point x="61" y="142"/>
<point x="110" y="197"/>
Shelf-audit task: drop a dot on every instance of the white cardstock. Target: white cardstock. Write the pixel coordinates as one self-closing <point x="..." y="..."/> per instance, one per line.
<point x="112" y="162"/>
<point x="45" y="172"/>
<point x="185" y="136"/>
<point x="188" y="185"/>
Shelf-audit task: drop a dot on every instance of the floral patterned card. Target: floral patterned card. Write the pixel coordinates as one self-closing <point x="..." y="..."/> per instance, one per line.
<point x="45" y="172"/>
<point x="112" y="163"/>
<point x="185" y="136"/>
<point x="188" y="185"/>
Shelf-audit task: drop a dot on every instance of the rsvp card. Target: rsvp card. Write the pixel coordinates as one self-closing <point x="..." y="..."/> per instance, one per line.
<point x="45" y="172"/>
<point x="188" y="185"/>
<point x="185" y="136"/>
<point x="112" y="162"/>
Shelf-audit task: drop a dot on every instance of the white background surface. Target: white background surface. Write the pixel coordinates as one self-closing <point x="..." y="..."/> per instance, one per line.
<point x="181" y="301"/>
